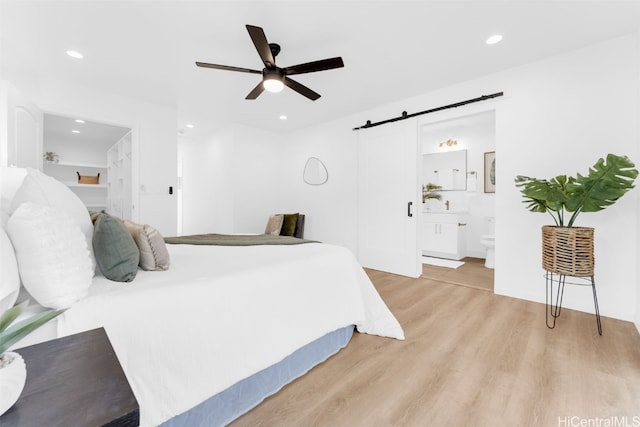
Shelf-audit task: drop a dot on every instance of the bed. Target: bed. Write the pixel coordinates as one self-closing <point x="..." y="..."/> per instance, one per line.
<point x="226" y="326"/>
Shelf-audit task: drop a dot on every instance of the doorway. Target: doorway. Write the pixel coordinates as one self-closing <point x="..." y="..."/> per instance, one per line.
<point x="101" y="153"/>
<point x="461" y="197"/>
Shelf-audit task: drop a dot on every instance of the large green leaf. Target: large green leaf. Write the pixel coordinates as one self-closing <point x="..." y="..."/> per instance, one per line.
<point x="11" y="314"/>
<point x="12" y="334"/>
<point x="602" y="187"/>
<point x="541" y="195"/>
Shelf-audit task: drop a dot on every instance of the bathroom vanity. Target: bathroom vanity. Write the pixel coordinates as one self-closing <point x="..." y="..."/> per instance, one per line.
<point x="444" y="234"/>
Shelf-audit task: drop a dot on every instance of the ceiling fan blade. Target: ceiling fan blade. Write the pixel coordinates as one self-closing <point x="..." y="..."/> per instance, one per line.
<point x="256" y="91"/>
<point x="262" y="45"/>
<point x="227" y="67"/>
<point x="310" y="67"/>
<point x="301" y="89"/>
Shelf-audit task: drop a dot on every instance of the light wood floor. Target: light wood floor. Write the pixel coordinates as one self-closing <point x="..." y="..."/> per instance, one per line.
<point x="470" y="358"/>
<point x="472" y="274"/>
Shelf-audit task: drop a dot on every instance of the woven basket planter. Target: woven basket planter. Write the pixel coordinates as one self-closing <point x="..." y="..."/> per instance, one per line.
<point x="568" y="250"/>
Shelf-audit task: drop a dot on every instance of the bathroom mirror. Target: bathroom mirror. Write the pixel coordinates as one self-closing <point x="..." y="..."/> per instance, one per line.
<point x="315" y="173"/>
<point x="447" y="169"/>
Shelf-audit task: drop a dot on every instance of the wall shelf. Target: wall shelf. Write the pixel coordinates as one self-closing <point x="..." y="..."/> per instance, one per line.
<point x="77" y="185"/>
<point x="78" y="165"/>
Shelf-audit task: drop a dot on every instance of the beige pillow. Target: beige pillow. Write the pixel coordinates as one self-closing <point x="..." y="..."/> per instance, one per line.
<point x="274" y="225"/>
<point x="153" y="251"/>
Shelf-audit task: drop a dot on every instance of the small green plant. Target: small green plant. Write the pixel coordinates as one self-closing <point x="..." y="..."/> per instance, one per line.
<point x="10" y="334"/>
<point x="431" y="191"/>
<point x="605" y="183"/>
<point x="51" y="157"/>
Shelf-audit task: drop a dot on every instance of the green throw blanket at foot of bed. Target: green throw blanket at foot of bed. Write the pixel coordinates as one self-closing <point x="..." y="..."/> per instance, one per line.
<point x="236" y="240"/>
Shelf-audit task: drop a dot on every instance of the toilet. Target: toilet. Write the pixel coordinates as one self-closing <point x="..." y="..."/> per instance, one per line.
<point x="489" y="243"/>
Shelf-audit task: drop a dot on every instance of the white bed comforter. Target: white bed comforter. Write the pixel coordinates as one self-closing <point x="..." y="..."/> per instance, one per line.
<point x="221" y="314"/>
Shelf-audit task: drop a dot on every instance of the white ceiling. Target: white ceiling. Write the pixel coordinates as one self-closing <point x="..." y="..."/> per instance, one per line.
<point x="392" y="50"/>
<point x="60" y="128"/>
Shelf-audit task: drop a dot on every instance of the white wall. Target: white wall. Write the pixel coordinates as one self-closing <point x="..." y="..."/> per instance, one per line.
<point x="154" y="127"/>
<point x="232" y="181"/>
<point x="207" y="193"/>
<point x="331" y="208"/>
<point x="558" y="116"/>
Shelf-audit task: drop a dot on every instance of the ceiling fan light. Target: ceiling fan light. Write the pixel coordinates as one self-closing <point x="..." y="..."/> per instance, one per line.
<point x="273" y="85"/>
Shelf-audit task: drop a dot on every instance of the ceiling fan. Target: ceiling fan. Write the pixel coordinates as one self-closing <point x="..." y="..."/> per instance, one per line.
<point x="275" y="78"/>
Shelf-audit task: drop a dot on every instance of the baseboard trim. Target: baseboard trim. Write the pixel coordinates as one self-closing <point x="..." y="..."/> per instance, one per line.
<point x="637" y="323"/>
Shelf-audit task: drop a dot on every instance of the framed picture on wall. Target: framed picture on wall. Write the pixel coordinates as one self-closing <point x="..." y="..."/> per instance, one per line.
<point x="490" y="172"/>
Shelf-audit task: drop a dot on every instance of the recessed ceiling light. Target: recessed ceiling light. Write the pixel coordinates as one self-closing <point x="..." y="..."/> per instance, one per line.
<point x="75" y="131"/>
<point x="496" y="38"/>
<point x="190" y="126"/>
<point x="75" y="54"/>
<point x="283" y="117"/>
<point x="79" y="121"/>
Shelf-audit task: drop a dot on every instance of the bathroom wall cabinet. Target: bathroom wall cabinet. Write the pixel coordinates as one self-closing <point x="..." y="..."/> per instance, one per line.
<point x="444" y="235"/>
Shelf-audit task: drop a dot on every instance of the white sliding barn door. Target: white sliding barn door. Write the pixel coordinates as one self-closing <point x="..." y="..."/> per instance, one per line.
<point x="21" y="124"/>
<point x="388" y="198"/>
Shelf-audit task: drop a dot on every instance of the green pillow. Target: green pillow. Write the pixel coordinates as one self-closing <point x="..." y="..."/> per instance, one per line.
<point x="289" y="224"/>
<point x="116" y="252"/>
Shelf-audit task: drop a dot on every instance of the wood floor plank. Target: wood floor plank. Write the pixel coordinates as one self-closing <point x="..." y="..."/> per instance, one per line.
<point x="470" y="358"/>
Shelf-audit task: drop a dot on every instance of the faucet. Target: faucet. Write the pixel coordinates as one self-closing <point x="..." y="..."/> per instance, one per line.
<point x="446" y="205"/>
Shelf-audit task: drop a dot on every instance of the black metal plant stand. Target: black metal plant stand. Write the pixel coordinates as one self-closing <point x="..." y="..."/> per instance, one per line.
<point x="553" y="309"/>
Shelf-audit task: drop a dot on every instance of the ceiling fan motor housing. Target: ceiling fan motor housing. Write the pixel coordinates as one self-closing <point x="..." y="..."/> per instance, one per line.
<point x="273" y="74"/>
<point x="275" y="49"/>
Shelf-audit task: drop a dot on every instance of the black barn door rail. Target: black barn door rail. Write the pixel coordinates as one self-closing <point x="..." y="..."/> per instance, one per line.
<point x="432" y="110"/>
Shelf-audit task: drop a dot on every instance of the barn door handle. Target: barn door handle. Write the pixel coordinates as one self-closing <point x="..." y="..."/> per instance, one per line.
<point x="409" y="214"/>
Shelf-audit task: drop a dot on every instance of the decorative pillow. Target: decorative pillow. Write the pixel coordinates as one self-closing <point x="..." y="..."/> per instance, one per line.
<point x="289" y="224"/>
<point x="274" y="225"/>
<point x="10" y="180"/>
<point x="52" y="254"/>
<point x="116" y="252"/>
<point x="153" y="251"/>
<point x="9" y="279"/>
<point x="44" y="190"/>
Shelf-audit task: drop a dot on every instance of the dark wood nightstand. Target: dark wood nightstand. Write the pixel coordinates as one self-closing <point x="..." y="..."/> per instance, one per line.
<point x="74" y="381"/>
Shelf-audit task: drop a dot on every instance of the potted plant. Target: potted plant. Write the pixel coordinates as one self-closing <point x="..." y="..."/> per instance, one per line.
<point x="568" y="249"/>
<point x="51" y="157"/>
<point x="430" y="191"/>
<point x="12" y="369"/>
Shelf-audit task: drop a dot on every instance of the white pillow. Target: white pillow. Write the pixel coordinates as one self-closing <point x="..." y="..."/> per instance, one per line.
<point x="52" y="255"/>
<point x="43" y="190"/>
<point x="10" y="180"/>
<point x="9" y="279"/>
